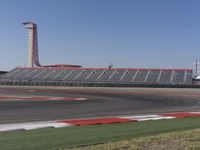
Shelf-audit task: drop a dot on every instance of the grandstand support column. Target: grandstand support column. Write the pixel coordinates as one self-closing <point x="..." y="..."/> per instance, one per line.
<point x="135" y="75"/>
<point x="159" y="76"/>
<point x="147" y="75"/>
<point x="33" y="57"/>
<point x="89" y="75"/>
<point x="172" y="76"/>
<point x="112" y="74"/>
<point x="185" y="76"/>
<point x="125" y="72"/>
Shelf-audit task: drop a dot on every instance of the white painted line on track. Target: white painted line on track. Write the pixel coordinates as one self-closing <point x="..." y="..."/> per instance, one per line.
<point x="66" y="98"/>
<point x="41" y="98"/>
<point x="32" y="90"/>
<point x="81" y="99"/>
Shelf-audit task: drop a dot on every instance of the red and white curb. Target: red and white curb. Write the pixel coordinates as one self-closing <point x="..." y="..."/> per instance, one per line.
<point x="32" y="125"/>
<point x="84" y="122"/>
<point x="41" y="98"/>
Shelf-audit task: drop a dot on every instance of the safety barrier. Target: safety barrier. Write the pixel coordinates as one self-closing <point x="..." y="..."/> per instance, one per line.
<point x="93" y="84"/>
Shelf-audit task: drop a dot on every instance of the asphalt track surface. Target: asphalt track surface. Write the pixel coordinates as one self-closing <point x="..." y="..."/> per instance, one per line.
<point x="101" y="102"/>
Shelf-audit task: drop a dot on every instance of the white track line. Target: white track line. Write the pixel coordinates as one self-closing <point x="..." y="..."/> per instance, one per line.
<point x="81" y="99"/>
<point x="32" y="90"/>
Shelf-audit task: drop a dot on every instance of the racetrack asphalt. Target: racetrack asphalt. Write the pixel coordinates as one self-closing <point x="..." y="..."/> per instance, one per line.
<point x="101" y="102"/>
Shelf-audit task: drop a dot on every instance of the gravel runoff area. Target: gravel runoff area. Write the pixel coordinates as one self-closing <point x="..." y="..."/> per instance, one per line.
<point x="101" y="102"/>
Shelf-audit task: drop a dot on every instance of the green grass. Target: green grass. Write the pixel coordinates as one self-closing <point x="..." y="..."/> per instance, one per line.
<point x="180" y="140"/>
<point x="62" y="138"/>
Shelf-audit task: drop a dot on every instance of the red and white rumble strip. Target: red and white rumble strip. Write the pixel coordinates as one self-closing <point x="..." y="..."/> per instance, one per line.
<point x="84" y="122"/>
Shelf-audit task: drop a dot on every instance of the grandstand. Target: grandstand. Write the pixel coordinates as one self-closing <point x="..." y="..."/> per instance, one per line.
<point x="2" y="73"/>
<point x="97" y="76"/>
<point x="75" y="75"/>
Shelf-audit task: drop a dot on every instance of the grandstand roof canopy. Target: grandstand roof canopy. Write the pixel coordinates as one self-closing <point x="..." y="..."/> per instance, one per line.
<point x="63" y="66"/>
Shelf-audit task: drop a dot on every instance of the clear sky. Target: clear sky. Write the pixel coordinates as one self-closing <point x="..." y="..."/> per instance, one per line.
<point x="94" y="33"/>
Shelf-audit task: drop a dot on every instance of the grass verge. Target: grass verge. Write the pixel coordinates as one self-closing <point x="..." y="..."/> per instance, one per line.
<point x="62" y="138"/>
<point x="181" y="140"/>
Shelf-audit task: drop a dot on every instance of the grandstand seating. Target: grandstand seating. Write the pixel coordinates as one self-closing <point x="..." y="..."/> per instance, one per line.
<point x="2" y="73"/>
<point x="100" y="75"/>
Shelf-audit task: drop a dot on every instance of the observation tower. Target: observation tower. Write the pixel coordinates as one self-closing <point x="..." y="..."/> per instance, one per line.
<point x="33" y="57"/>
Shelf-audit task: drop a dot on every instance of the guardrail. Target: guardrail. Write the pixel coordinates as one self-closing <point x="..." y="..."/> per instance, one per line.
<point x="93" y="84"/>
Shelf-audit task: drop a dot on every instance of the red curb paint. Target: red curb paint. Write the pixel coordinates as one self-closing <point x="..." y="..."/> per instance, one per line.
<point x="84" y="122"/>
<point x="181" y="115"/>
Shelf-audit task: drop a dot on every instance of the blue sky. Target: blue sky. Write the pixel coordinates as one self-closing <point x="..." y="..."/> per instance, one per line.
<point x="94" y="33"/>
